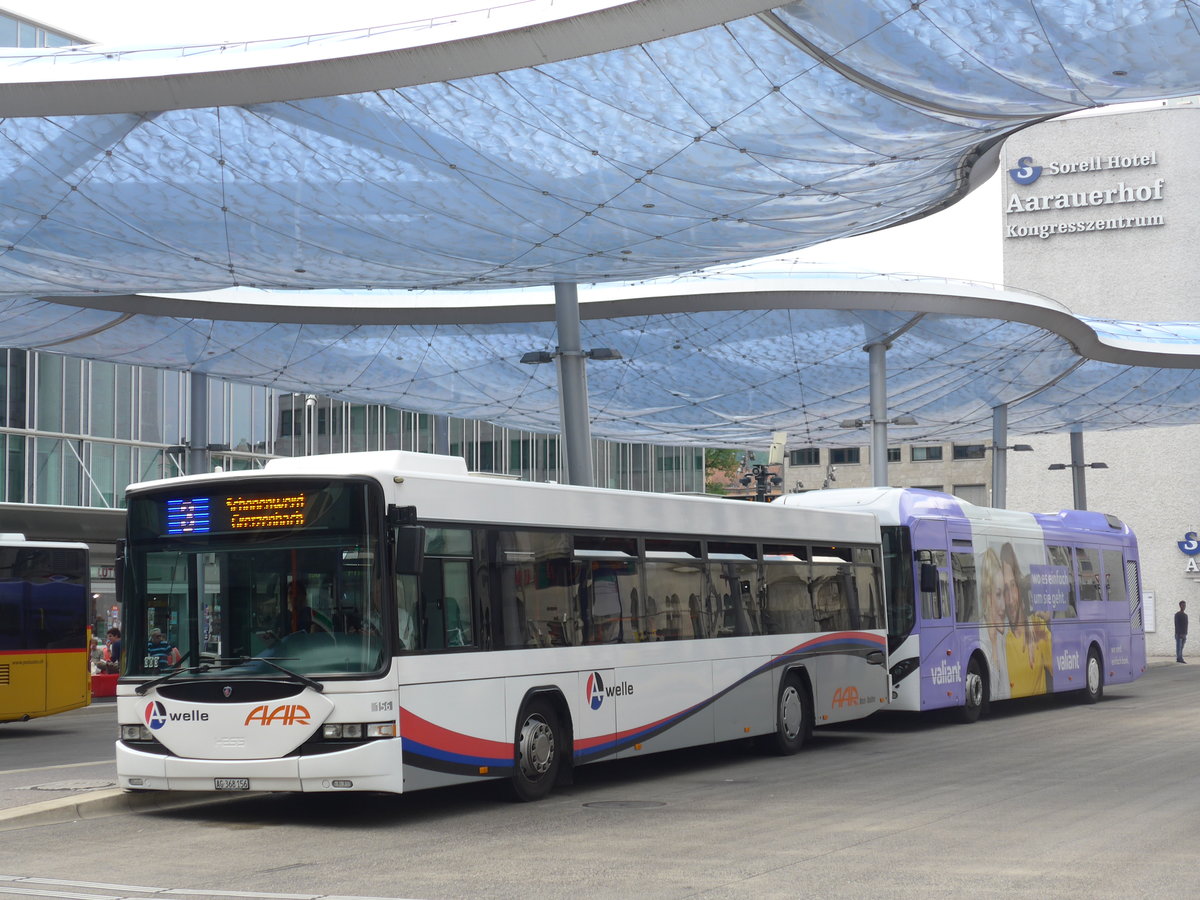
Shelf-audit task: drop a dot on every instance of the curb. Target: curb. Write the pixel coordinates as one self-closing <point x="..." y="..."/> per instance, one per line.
<point x="99" y="804"/>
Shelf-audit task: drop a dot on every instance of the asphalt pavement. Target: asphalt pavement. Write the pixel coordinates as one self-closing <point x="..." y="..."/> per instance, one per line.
<point x="61" y="768"/>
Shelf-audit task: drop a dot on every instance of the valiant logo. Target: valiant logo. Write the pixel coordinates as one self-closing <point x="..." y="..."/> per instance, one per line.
<point x="944" y="673"/>
<point x="1068" y="659"/>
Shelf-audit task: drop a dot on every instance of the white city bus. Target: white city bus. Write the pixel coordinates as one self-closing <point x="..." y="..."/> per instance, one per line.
<point x="389" y="622"/>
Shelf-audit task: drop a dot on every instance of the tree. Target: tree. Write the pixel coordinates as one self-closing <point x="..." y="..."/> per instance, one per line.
<point x="721" y="462"/>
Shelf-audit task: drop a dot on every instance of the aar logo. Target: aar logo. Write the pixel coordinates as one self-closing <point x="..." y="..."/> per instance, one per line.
<point x="285" y="714"/>
<point x="1026" y="172"/>
<point x="155" y="715"/>
<point x="1189" y="545"/>
<point x="595" y="690"/>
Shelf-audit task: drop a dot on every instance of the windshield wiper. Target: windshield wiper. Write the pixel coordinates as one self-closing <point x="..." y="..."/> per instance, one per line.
<point x="228" y="663"/>
<point x="154" y="682"/>
<point x="296" y="676"/>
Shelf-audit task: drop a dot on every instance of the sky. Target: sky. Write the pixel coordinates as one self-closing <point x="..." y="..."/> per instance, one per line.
<point x="962" y="242"/>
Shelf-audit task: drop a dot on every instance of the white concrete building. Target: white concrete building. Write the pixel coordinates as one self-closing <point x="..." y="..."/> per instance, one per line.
<point x="1101" y="213"/>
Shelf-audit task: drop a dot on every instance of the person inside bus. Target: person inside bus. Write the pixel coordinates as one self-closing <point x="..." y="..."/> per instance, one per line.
<point x="160" y="649"/>
<point x="96" y="657"/>
<point x="112" y="651"/>
<point x="1027" y="641"/>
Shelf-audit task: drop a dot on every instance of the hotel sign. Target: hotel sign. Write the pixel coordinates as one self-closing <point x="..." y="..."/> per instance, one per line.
<point x="1127" y="202"/>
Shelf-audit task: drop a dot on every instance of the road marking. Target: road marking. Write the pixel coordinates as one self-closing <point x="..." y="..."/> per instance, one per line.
<point x="99" y="762"/>
<point x="127" y="891"/>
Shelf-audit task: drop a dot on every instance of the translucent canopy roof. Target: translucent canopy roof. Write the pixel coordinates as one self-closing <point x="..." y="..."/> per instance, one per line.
<point x="635" y="141"/>
<point x="714" y="361"/>
<point x="621" y="142"/>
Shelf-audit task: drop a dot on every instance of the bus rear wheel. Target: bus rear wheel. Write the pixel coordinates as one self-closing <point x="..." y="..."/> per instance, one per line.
<point x="1093" y="688"/>
<point x="792" y="726"/>
<point x="975" y="692"/>
<point x="538" y="751"/>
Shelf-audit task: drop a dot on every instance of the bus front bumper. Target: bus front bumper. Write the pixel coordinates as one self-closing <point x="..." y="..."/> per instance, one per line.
<point x="374" y="766"/>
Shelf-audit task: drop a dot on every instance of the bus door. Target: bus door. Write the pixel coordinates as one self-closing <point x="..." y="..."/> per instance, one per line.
<point x="941" y="669"/>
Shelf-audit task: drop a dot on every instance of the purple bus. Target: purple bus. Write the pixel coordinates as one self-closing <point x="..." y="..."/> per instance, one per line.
<point x="992" y="604"/>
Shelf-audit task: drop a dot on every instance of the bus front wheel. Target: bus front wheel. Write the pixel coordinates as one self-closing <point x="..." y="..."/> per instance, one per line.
<point x="1094" y="678"/>
<point x="791" y="717"/>
<point x="975" y="692"/>
<point x="538" y="751"/>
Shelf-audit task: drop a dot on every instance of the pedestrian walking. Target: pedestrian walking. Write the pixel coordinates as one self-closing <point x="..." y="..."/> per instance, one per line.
<point x="1180" y="631"/>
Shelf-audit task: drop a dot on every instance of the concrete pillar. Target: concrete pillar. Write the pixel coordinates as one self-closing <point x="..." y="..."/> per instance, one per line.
<point x="572" y="387"/>
<point x="198" y="439"/>
<point x="1000" y="456"/>
<point x="1078" y="483"/>
<point x="877" y="354"/>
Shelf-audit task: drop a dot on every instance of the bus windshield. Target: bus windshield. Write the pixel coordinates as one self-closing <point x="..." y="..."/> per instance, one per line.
<point x="289" y="573"/>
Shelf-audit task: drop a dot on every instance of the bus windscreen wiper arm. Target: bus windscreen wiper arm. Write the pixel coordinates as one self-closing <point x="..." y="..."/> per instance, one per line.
<point x="303" y="679"/>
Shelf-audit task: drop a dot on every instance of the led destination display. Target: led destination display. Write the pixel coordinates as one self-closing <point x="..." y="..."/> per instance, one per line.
<point x="193" y="515"/>
<point x="260" y="509"/>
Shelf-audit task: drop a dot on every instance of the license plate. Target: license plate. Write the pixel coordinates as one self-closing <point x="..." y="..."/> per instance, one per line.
<point x="231" y="784"/>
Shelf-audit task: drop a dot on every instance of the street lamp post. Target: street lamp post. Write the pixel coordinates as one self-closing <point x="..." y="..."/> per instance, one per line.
<point x="1000" y="471"/>
<point x="764" y="481"/>
<point x="1077" y="465"/>
<point x="572" y="380"/>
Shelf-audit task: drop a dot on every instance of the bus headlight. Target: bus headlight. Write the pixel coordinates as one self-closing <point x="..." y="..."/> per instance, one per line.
<point x="356" y="731"/>
<point x="135" y="733"/>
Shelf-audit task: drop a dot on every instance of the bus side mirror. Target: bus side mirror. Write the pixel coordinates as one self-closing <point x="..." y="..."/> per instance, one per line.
<point x="409" y="557"/>
<point x="119" y="571"/>
<point x="929" y="578"/>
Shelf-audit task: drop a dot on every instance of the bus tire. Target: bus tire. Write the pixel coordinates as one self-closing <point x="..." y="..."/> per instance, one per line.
<point x="793" y="723"/>
<point x="1093" y="678"/>
<point x="975" y="693"/>
<point x="537" y="752"/>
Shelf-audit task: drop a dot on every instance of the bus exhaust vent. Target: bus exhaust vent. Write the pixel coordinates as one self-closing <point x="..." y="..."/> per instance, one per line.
<point x="4" y="674"/>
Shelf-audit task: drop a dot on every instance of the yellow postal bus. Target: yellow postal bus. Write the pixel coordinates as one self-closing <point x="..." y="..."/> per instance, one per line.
<point x="44" y="633"/>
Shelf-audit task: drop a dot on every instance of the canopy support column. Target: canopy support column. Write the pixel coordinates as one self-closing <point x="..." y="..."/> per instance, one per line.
<point x="572" y="387"/>
<point x="197" y="454"/>
<point x="877" y="356"/>
<point x="1078" y="483"/>
<point x="1000" y="456"/>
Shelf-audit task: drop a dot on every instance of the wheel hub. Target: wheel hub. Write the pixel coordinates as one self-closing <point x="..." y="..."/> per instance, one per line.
<point x="791" y="712"/>
<point x="537" y="747"/>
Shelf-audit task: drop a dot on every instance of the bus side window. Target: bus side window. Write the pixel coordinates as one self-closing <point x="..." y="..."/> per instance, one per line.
<point x="1059" y="557"/>
<point x="1089" y="574"/>
<point x="933" y="584"/>
<point x="1114" y="577"/>
<point x="966" y="587"/>
<point x="447" y="618"/>
<point x="407" y="614"/>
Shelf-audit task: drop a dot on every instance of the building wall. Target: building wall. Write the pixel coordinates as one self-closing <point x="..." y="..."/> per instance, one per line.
<point x="911" y="466"/>
<point x="1138" y="263"/>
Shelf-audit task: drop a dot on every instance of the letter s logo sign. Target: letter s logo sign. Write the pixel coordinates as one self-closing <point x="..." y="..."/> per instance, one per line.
<point x="1026" y="172"/>
<point x="1189" y="544"/>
